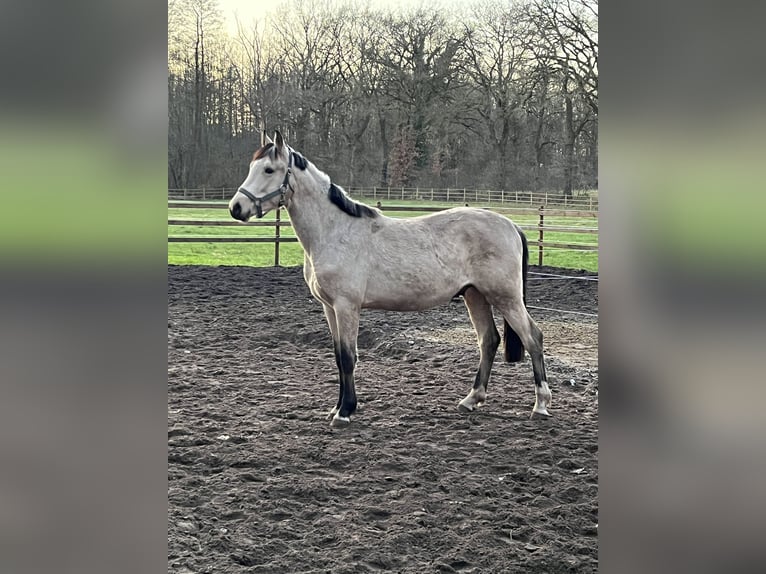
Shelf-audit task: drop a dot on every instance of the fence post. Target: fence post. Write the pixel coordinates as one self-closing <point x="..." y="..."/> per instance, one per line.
<point x="590" y="202"/>
<point x="276" y="240"/>
<point x="432" y="194"/>
<point x="388" y="196"/>
<point x="184" y="193"/>
<point x="546" y="197"/>
<point x="517" y="196"/>
<point x="540" y="233"/>
<point x="463" y="195"/>
<point x="402" y="193"/>
<point x="203" y="192"/>
<point x="374" y="192"/>
<point x="502" y="196"/>
<point x="448" y="194"/>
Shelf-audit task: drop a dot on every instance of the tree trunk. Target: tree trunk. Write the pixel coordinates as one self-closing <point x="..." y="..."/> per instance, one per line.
<point x="354" y="142"/>
<point x="384" y="148"/>
<point x="539" y="145"/>
<point x="501" y="149"/>
<point x="569" y="141"/>
<point x="197" y="113"/>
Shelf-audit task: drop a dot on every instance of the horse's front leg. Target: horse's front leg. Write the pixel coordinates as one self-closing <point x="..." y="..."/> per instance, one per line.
<point x="329" y="314"/>
<point x="347" y="324"/>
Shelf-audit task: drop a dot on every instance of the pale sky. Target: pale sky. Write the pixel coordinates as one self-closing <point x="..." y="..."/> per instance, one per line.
<point x="249" y="10"/>
<point x="246" y="10"/>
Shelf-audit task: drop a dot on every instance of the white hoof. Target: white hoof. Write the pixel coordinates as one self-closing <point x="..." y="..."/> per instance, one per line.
<point x="542" y="402"/>
<point x="333" y="412"/>
<point x="339" y="421"/>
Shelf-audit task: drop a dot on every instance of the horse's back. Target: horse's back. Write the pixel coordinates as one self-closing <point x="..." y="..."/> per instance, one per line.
<point x="463" y="232"/>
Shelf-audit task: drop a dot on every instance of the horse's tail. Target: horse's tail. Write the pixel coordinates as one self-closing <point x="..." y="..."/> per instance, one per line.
<point x="514" y="348"/>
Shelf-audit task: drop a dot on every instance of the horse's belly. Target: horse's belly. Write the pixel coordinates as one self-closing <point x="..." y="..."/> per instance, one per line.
<point x="407" y="300"/>
<point x="404" y="305"/>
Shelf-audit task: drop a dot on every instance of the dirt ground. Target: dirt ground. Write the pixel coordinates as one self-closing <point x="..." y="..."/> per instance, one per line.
<point x="259" y="482"/>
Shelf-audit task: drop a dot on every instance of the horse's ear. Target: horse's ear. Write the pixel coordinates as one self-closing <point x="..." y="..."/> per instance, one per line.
<point x="265" y="139"/>
<point x="279" y="142"/>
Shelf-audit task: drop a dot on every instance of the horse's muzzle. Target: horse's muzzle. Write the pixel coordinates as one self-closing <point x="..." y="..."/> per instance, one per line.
<point x="236" y="212"/>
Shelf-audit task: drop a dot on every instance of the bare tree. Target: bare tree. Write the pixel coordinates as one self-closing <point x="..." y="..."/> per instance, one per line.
<point x="418" y="55"/>
<point x="506" y="96"/>
<point x="195" y="23"/>
<point x="252" y="65"/>
<point x="569" y="36"/>
<point x="309" y="38"/>
<point x="498" y="61"/>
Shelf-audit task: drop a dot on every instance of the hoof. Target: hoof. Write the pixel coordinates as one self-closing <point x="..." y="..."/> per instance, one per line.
<point x="339" y="421"/>
<point x="332" y="413"/>
<point x="473" y="401"/>
<point x="467" y="407"/>
<point x="540" y="415"/>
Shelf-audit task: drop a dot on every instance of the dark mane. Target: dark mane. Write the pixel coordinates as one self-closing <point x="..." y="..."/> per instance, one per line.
<point x="298" y="160"/>
<point x="336" y="194"/>
<point x="353" y="208"/>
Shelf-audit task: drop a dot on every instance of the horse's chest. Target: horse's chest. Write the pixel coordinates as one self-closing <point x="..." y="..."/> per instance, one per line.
<point x="330" y="281"/>
<point x="318" y="292"/>
<point x="316" y="286"/>
<point x="329" y="287"/>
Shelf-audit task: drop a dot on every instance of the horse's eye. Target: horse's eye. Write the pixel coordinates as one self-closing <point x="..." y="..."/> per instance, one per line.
<point x="268" y="170"/>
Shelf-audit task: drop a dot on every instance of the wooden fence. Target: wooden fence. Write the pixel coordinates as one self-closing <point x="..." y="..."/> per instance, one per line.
<point x="586" y="200"/>
<point x="542" y="212"/>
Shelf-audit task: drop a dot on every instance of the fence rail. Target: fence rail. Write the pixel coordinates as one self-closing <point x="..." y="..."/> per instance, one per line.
<point x="586" y="200"/>
<point x="232" y="223"/>
<point x="233" y="240"/>
<point x="540" y="243"/>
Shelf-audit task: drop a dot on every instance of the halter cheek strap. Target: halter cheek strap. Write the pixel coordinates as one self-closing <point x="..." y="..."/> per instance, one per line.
<point x="280" y="191"/>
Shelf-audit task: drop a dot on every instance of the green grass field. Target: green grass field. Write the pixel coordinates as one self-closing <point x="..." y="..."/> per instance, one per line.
<point x="260" y="255"/>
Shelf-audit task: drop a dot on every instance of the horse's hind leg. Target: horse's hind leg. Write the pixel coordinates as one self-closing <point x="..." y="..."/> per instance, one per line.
<point x="532" y="338"/>
<point x="480" y="312"/>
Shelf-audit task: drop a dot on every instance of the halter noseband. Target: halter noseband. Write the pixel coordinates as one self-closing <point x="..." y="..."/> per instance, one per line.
<point x="280" y="191"/>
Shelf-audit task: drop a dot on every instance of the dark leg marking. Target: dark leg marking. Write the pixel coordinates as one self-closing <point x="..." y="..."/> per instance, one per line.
<point x="346" y="362"/>
<point x="480" y="312"/>
<point x="336" y="347"/>
<point x="538" y="362"/>
<point x="490" y="341"/>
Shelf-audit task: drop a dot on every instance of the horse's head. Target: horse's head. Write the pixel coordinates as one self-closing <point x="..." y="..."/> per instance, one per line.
<point x="266" y="183"/>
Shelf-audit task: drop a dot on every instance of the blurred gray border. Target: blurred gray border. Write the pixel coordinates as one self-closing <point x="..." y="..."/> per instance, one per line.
<point x="83" y="477"/>
<point x="681" y="311"/>
<point x="83" y="423"/>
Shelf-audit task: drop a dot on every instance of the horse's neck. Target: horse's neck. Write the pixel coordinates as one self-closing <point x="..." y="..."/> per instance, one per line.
<point x="314" y="218"/>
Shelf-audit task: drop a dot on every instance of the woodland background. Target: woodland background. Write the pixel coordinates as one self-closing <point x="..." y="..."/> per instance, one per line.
<point x="493" y="95"/>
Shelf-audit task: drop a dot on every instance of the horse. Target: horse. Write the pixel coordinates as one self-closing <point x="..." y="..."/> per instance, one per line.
<point x="357" y="258"/>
